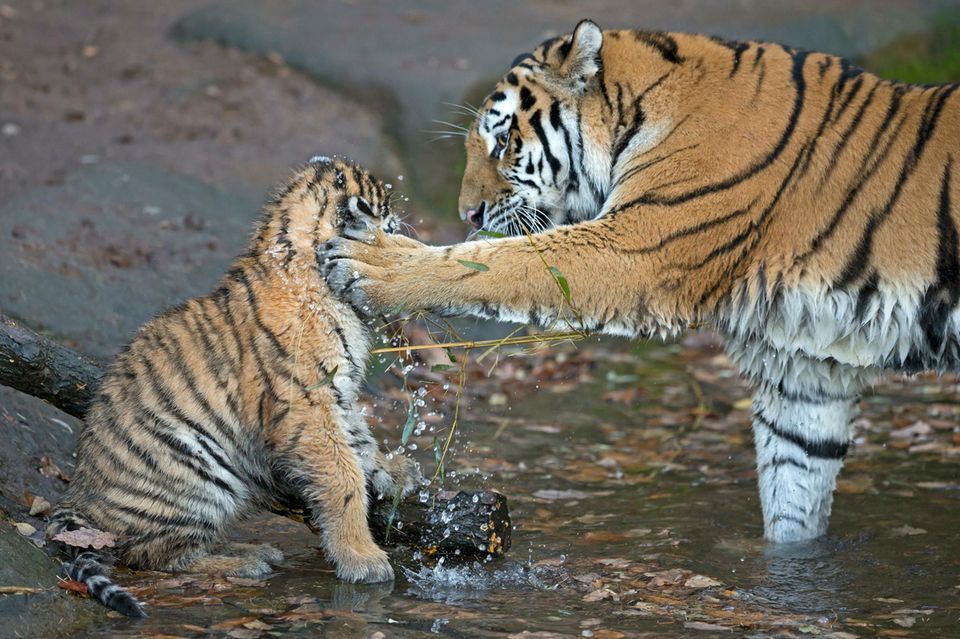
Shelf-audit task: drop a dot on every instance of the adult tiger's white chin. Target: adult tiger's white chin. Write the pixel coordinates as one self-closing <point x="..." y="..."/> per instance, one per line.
<point x="520" y="220"/>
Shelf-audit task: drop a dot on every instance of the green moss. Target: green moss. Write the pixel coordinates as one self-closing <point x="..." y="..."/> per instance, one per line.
<point x="930" y="57"/>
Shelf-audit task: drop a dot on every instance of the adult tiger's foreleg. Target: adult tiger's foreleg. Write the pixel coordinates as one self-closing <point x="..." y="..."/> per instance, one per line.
<point x="802" y="427"/>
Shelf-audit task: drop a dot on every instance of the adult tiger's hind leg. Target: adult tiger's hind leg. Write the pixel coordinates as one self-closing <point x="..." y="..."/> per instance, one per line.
<point x="801" y="433"/>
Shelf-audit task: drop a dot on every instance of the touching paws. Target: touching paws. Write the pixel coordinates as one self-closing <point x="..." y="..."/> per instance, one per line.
<point x="375" y="274"/>
<point x="344" y="275"/>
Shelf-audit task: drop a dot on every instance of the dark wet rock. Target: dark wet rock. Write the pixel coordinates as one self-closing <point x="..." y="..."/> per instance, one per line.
<point x="38" y="441"/>
<point x="51" y="612"/>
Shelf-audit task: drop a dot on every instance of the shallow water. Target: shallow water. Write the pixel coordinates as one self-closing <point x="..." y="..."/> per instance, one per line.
<point x="612" y="504"/>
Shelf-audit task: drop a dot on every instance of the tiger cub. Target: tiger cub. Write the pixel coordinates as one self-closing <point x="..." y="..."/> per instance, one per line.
<point x="228" y="400"/>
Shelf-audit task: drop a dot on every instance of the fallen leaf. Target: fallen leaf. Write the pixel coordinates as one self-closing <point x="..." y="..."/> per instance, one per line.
<point x="40" y="506"/>
<point x="553" y="495"/>
<point x="87" y="538"/>
<point x="701" y="581"/>
<point x="614" y="562"/>
<point x="702" y="625"/>
<point x="671" y="577"/>
<point x="623" y="396"/>
<point x="604" y="536"/>
<point x="905" y="622"/>
<point x="48" y="468"/>
<point x="905" y="530"/>
<point x="916" y="430"/>
<point x="599" y="595"/>
<point x="25" y="529"/>
<point x="246" y="581"/>
<point x="257" y="625"/>
<point x="77" y="587"/>
<point x="230" y="624"/>
<point x="307" y="612"/>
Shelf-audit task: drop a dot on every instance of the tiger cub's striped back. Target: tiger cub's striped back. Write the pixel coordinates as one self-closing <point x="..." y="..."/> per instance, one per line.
<point x="227" y="400"/>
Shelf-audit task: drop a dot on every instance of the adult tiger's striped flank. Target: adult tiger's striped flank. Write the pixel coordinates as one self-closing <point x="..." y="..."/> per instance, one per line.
<point x="803" y="207"/>
<point x="230" y="401"/>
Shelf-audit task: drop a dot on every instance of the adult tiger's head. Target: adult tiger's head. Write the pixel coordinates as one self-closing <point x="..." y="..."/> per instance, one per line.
<point x="534" y="159"/>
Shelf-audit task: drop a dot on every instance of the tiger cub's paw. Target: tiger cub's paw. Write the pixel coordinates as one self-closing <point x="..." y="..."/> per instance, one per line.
<point x="370" y="565"/>
<point x="397" y="472"/>
<point x="266" y="552"/>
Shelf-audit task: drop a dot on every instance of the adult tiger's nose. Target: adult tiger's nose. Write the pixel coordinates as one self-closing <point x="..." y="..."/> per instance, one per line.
<point x="474" y="216"/>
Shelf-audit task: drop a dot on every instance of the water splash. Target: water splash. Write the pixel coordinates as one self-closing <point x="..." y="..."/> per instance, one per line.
<point x="471" y="581"/>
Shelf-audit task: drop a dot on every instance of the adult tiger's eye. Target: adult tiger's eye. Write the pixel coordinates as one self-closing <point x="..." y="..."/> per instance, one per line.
<point x="500" y="143"/>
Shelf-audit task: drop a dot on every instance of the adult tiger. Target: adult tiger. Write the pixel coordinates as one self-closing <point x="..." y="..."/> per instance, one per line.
<point x="805" y="208"/>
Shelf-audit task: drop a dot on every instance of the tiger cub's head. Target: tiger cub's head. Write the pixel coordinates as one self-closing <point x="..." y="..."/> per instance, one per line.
<point x="532" y="161"/>
<point x="325" y="198"/>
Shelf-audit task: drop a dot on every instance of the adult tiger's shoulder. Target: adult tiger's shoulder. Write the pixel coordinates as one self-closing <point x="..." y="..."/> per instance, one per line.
<point x="804" y="207"/>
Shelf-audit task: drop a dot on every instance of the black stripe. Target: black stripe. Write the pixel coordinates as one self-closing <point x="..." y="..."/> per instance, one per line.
<point x="800" y="85"/>
<point x="542" y="135"/>
<point x="662" y="43"/>
<point x="777" y="462"/>
<point x="737" y="48"/>
<point x="824" y="449"/>
<point x="928" y="124"/>
<point x="941" y="297"/>
<point x="693" y="230"/>
<point x="852" y="128"/>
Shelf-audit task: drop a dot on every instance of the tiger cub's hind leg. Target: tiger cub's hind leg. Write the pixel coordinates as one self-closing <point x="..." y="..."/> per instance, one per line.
<point x="801" y="435"/>
<point x="268" y="553"/>
<point x="249" y="564"/>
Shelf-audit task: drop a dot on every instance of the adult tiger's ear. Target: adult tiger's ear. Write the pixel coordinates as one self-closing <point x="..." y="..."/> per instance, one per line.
<point x="583" y="61"/>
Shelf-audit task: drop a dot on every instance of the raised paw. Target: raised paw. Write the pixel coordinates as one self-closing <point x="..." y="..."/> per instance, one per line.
<point x="369" y="566"/>
<point x="400" y="472"/>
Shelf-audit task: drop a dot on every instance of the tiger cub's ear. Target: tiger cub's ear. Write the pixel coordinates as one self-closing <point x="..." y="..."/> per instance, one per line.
<point x="583" y="60"/>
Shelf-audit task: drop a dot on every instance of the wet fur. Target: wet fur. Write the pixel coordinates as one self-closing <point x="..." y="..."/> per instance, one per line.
<point x="804" y="208"/>
<point x="226" y="402"/>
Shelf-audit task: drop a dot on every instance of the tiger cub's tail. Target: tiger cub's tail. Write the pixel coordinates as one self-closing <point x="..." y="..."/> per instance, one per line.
<point x="88" y="568"/>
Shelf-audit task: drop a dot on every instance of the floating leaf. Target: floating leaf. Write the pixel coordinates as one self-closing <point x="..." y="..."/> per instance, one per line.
<point x="561" y="282"/>
<point x="86" y="538"/>
<point x="477" y="266"/>
<point x="701" y="581"/>
<point x="621" y="378"/>
<point x="323" y="382"/>
<point x="410" y="423"/>
<point x="491" y="234"/>
<point x="439" y="368"/>
<point x="553" y="494"/>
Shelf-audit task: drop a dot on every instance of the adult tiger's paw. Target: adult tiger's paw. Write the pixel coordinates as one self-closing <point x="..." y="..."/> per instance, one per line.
<point x="371" y="277"/>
